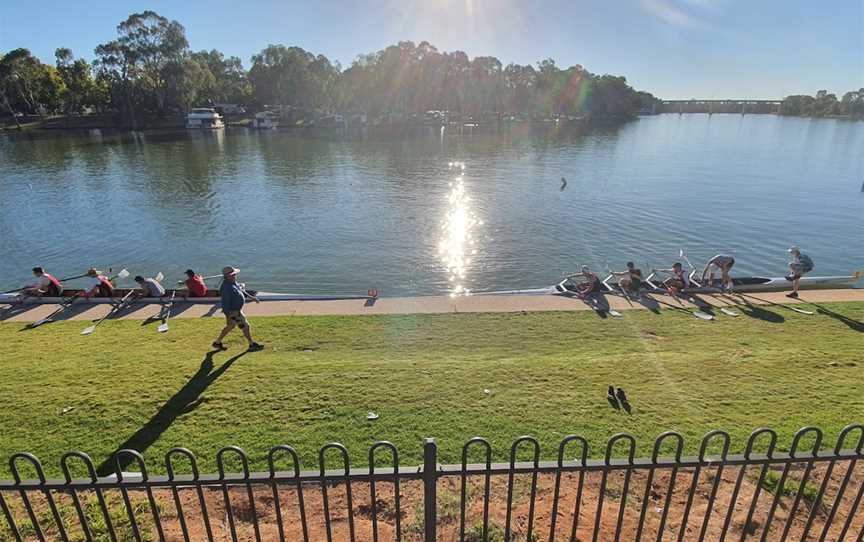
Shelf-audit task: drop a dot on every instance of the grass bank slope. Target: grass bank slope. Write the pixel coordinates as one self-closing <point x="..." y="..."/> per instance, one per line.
<point x="127" y="386"/>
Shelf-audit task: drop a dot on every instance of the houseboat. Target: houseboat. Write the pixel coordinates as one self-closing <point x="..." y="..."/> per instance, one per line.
<point x="204" y="118"/>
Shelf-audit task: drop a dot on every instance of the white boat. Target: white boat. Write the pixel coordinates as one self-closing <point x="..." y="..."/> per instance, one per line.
<point x="212" y="297"/>
<point x="266" y="120"/>
<point x="567" y="286"/>
<point x="204" y="118"/>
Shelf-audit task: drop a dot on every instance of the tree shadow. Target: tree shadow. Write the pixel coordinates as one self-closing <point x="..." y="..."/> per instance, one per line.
<point x="855" y="325"/>
<point x="183" y="402"/>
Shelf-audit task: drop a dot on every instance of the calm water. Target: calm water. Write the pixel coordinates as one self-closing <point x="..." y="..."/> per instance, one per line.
<point x="304" y="215"/>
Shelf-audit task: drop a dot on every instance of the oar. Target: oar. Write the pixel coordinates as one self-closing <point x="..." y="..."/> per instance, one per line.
<point x="63" y="306"/>
<point x="60" y="280"/>
<point x="117" y="307"/>
<point x="163" y="327"/>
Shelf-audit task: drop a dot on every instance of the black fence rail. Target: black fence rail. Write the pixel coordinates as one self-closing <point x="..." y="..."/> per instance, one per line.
<point x="811" y="492"/>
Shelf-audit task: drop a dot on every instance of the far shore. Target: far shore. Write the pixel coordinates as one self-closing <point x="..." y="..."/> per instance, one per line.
<point x="77" y="123"/>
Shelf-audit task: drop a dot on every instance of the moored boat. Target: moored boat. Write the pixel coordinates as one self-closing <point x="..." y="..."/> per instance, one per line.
<point x="204" y="118"/>
<point x="740" y="284"/>
<point x="211" y="297"/>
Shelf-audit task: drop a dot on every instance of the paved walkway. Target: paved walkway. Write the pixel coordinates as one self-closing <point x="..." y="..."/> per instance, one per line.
<point x="432" y="305"/>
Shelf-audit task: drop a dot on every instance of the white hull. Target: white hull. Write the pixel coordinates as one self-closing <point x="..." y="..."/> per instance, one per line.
<point x="742" y="284"/>
<point x="262" y="296"/>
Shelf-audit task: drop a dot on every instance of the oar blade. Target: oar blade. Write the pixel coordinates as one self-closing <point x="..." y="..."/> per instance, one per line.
<point x="614" y="313"/>
<point x="802" y="311"/>
<point x="162" y="328"/>
<point x="159" y="276"/>
<point x="729" y="312"/>
<point x="123" y="274"/>
<point x="88" y="330"/>
<point x="702" y="315"/>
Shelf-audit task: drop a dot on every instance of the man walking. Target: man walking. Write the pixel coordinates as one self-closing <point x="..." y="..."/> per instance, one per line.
<point x="233" y="299"/>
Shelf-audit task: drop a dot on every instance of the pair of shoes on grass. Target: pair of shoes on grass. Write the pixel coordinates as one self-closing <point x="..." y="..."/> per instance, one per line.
<point x="618" y="396"/>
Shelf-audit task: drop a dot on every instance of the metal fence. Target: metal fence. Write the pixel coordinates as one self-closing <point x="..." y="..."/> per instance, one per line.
<point x="811" y="492"/>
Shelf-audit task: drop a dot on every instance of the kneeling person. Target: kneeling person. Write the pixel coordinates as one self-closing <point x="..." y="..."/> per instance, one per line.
<point x="233" y="299"/>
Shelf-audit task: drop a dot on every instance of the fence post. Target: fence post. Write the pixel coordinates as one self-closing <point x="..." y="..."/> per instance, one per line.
<point x="430" y="489"/>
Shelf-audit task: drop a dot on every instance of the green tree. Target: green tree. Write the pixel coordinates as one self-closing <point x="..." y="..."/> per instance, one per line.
<point x="230" y="82"/>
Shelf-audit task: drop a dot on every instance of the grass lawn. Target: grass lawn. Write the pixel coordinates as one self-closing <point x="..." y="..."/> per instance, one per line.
<point x="129" y="386"/>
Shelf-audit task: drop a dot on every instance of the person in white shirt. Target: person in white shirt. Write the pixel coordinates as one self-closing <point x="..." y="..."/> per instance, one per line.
<point x="149" y="287"/>
<point x="724" y="264"/>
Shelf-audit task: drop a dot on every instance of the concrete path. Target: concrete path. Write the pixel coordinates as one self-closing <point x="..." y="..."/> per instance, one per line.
<point x="433" y="305"/>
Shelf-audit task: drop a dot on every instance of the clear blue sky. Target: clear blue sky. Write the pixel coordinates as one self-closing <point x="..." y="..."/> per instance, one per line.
<point x="673" y="48"/>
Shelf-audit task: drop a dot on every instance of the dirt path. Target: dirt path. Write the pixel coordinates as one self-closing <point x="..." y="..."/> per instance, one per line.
<point x="442" y="304"/>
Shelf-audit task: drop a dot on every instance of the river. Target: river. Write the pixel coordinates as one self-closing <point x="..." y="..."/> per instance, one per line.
<point x="335" y="216"/>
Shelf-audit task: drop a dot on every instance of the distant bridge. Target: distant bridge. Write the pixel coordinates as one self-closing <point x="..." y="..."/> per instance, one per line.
<point x="718" y="106"/>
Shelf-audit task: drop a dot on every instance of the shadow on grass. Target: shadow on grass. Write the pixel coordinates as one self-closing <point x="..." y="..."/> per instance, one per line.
<point x="755" y="311"/>
<point x="184" y="401"/>
<point x="179" y="308"/>
<point x="855" y="325"/>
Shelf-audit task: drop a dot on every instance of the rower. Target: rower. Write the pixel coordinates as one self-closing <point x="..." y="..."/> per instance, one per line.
<point x="631" y="279"/>
<point x="590" y="282"/>
<point x="723" y="263"/>
<point x="800" y="265"/>
<point x="98" y="285"/>
<point x="45" y="286"/>
<point x="195" y="284"/>
<point x="679" y="279"/>
<point x="150" y="287"/>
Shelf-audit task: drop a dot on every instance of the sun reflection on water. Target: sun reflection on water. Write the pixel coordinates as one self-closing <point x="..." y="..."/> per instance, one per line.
<point x="457" y="245"/>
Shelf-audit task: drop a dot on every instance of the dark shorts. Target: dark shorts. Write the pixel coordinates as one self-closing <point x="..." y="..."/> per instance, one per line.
<point x="237" y="317"/>
<point x="53" y="290"/>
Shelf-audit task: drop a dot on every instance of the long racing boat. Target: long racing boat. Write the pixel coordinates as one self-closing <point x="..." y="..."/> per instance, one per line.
<point x="211" y="297"/>
<point x="567" y="287"/>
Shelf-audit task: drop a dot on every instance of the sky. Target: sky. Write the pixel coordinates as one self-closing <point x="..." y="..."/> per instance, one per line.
<point x="676" y="49"/>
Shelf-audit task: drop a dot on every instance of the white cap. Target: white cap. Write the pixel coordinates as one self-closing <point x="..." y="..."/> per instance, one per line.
<point x="793" y="248"/>
<point x="585" y="269"/>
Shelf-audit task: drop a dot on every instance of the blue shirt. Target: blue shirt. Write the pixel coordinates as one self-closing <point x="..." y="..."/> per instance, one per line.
<point x="232" y="297"/>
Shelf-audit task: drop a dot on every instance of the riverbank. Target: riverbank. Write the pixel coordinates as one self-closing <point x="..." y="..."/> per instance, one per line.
<point x="447" y="304"/>
<point x="451" y="376"/>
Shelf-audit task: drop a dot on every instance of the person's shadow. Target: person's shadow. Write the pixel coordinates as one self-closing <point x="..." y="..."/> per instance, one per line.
<point x="184" y="401"/>
<point x="755" y="311"/>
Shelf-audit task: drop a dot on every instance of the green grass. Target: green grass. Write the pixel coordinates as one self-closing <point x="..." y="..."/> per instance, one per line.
<point x="425" y="376"/>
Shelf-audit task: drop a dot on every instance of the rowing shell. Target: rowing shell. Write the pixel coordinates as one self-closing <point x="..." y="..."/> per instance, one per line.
<point x="211" y="297"/>
<point x="740" y="284"/>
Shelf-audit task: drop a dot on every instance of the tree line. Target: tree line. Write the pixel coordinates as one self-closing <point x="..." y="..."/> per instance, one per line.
<point x="149" y="70"/>
<point x="824" y="104"/>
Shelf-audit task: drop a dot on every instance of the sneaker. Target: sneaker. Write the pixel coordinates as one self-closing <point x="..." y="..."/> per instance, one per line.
<point x="793" y="295"/>
<point x="219" y="346"/>
<point x="255" y="347"/>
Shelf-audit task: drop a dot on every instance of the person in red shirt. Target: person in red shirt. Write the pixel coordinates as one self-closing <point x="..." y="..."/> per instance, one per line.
<point x="195" y="284"/>
<point x="46" y="285"/>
